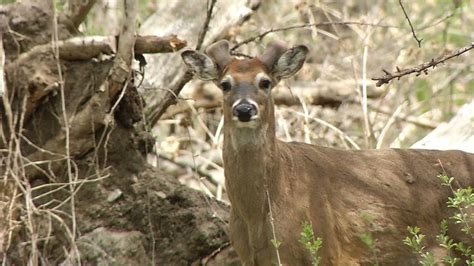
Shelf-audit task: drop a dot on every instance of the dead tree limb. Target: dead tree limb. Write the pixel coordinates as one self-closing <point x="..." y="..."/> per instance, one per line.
<point x="82" y="48"/>
<point x="150" y="44"/>
<point x="121" y="69"/>
<point x="77" y="10"/>
<point x="155" y="116"/>
<point x="156" y="113"/>
<point x="88" y="47"/>
<point x="205" y="26"/>
<point x="422" y="68"/>
<point x="2" y="66"/>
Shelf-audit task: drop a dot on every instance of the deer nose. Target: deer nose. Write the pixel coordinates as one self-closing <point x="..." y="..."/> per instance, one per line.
<point x="244" y="111"/>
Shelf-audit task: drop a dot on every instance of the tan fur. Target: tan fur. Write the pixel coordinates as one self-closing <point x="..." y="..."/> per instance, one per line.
<point x="344" y="194"/>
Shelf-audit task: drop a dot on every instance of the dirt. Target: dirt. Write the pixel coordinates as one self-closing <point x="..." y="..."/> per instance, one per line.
<point x="177" y="225"/>
<point x="169" y="223"/>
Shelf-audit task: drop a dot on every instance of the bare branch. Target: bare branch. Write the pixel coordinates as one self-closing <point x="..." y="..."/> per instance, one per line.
<point x="2" y="66"/>
<point x="120" y="72"/>
<point x="84" y="48"/>
<point x="158" y="112"/>
<point x="422" y="68"/>
<point x="265" y="33"/>
<point x="77" y="10"/>
<point x="205" y="27"/>
<point x="183" y="164"/>
<point x="3" y="28"/>
<point x="173" y="92"/>
<point x="411" y="26"/>
<point x="153" y="44"/>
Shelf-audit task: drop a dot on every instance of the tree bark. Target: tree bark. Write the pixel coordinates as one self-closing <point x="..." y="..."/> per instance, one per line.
<point x="63" y="107"/>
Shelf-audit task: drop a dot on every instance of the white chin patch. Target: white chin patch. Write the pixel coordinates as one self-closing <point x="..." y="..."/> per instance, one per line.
<point x="250" y="124"/>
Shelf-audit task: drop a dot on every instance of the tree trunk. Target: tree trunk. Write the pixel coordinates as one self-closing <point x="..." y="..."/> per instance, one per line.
<point x="75" y="185"/>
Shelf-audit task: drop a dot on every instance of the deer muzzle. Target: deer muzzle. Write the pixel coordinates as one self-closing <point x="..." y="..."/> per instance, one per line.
<point x="245" y="110"/>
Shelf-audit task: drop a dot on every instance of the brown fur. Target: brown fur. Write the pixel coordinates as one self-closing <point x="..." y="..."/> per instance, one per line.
<point x="344" y="194"/>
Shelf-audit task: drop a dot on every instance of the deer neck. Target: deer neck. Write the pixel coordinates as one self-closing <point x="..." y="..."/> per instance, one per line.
<point x="250" y="156"/>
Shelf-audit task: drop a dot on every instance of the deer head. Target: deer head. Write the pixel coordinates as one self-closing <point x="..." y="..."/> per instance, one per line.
<point x="246" y="83"/>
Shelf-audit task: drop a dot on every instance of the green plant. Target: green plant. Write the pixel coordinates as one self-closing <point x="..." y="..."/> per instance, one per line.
<point x="462" y="200"/>
<point x="276" y="243"/>
<point x="415" y="241"/>
<point x="446" y="242"/>
<point x="367" y="238"/>
<point x="313" y="245"/>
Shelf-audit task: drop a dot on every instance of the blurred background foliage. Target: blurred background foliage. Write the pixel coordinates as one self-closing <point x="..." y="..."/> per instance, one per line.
<point x="343" y="59"/>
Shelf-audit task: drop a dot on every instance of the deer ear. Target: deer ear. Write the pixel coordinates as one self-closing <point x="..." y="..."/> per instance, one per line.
<point x="200" y="64"/>
<point x="290" y="62"/>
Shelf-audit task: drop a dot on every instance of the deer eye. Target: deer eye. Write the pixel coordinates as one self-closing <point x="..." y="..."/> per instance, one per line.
<point x="265" y="84"/>
<point x="226" y="86"/>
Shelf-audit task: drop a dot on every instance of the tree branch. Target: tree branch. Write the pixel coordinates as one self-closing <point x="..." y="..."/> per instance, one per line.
<point x="77" y="10"/>
<point x="121" y="69"/>
<point x="2" y="66"/>
<point x="187" y="76"/>
<point x="205" y="26"/>
<point x="153" y="44"/>
<point x="411" y="26"/>
<point x="265" y="33"/>
<point x="84" y="48"/>
<point x="182" y="164"/>
<point x="422" y="68"/>
<point x="156" y="114"/>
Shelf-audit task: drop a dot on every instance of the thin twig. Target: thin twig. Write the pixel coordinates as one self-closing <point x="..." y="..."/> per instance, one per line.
<point x="77" y="10"/>
<point x="205" y="27"/>
<point x="66" y="125"/>
<point x="193" y="166"/>
<point x="2" y="67"/>
<point x="160" y="109"/>
<point x="402" y="117"/>
<point x="389" y="123"/>
<point x="344" y="137"/>
<point x="369" y="134"/>
<point x="422" y="68"/>
<point x="240" y="54"/>
<point x="203" y="186"/>
<point x="411" y="26"/>
<point x="439" y="21"/>
<point x="263" y="34"/>
<point x="272" y="223"/>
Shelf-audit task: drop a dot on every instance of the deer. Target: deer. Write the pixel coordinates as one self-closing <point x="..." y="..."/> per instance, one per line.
<point x="273" y="186"/>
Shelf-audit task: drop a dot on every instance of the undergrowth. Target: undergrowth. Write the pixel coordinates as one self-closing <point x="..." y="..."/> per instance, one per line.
<point x="462" y="200"/>
<point x="312" y="244"/>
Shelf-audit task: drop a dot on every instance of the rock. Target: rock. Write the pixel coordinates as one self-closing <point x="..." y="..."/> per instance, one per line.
<point x="114" y="195"/>
<point x="104" y="246"/>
